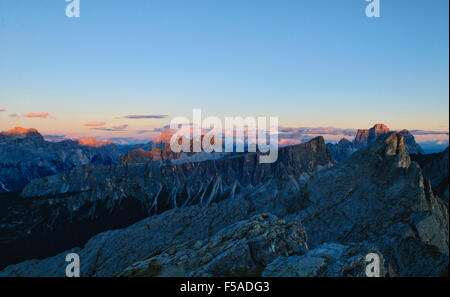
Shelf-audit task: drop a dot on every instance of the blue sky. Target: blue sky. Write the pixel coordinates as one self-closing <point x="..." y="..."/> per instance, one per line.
<point x="311" y="63"/>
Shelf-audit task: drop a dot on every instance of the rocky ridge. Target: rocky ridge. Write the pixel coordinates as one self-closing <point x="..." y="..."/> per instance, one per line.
<point x="108" y="197"/>
<point x="375" y="201"/>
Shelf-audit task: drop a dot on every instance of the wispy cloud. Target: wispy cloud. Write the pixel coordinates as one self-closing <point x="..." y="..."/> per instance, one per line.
<point x="95" y="124"/>
<point x="317" y="131"/>
<point x="120" y="128"/>
<point x="425" y="132"/>
<point x="42" y="115"/>
<point x="112" y="129"/>
<point x="144" y="131"/>
<point x="14" y="115"/>
<point x="140" y="117"/>
<point x="2" y="109"/>
<point x="50" y="137"/>
<point x="127" y="140"/>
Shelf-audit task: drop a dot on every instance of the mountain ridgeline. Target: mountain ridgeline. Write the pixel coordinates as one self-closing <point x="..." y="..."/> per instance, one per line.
<point x="345" y="148"/>
<point x="304" y="215"/>
<point x="71" y="207"/>
<point x="151" y="212"/>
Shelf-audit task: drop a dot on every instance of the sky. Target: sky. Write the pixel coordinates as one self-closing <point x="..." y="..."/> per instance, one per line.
<point x="125" y="68"/>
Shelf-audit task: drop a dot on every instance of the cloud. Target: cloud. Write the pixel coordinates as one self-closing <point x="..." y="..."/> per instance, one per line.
<point x="14" y="115"/>
<point x="95" y="124"/>
<point x="57" y="137"/>
<point x="424" y="132"/>
<point x="317" y="131"/>
<point x="42" y="115"/>
<point x="2" y="109"/>
<point x="120" y="128"/>
<point x="144" y="131"/>
<point x="112" y="129"/>
<point x="140" y="117"/>
<point x="127" y="140"/>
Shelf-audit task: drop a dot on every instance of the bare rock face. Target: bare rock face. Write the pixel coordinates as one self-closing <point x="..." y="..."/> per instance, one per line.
<point x="141" y="156"/>
<point x="379" y="196"/>
<point x="410" y="142"/>
<point x="242" y="249"/>
<point x="91" y="199"/>
<point x="435" y="169"/>
<point x="327" y="260"/>
<point x="341" y="150"/>
<point x="344" y="148"/>
<point x="366" y="137"/>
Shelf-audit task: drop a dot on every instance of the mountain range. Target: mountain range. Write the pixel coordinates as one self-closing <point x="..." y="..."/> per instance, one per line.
<point x="151" y="213"/>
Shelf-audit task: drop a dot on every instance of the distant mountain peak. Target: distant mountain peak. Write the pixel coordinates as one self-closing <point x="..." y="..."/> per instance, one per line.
<point x="20" y="131"/>
<point x="364" y="137"/>
<point x="163" y="138"/>
<point x="92" y="142"/>
<point x="23" y="133"/>
<point x="380" y="127"/>
<point x="367" y="136"/>
<point x="344" y="141"/>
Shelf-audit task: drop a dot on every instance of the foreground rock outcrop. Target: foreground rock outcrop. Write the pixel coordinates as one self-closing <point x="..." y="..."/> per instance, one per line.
<point x="328" y="259"/>
<point x="242" y="249"/>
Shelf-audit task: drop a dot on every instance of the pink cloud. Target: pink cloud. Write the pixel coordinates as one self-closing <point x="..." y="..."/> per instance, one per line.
<point x="288" y="141"/>
<point x="42" y="115"/>
<point x="112" y="129"/>
<point x="95" y="124"/>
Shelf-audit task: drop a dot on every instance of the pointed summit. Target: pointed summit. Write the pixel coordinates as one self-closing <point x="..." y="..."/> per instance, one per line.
<point x="163" y="138"/>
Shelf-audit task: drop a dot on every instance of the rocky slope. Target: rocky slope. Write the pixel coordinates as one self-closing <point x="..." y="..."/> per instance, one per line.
<point x="375" y="201"/>
<point x="243" y="248"/>
<point x="379" y="196"/>
<point x="72" y="207"/>
<point x="435" y="169"/>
